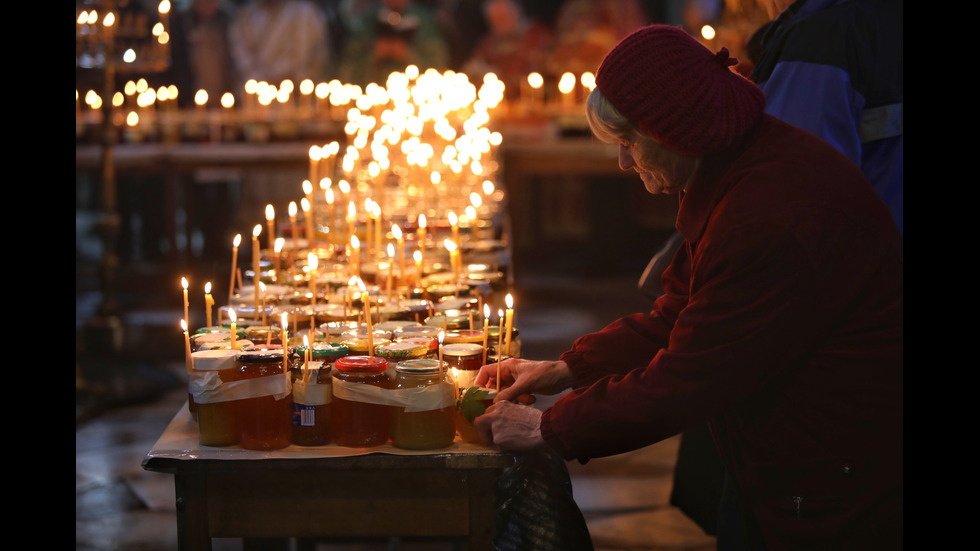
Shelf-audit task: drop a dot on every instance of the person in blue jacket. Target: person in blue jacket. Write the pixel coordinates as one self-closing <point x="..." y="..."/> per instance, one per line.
<point x="834" y="68"/>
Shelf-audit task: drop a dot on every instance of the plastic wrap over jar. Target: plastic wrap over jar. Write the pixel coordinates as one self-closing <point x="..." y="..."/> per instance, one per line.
<point x="360" y="410"/>
<point x="211" y="386"/>
<point x="426" y="417"/>
<point x="265" y="415"/>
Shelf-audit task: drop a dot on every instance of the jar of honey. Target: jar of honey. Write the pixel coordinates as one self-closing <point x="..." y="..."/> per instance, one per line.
<point x="360" y="410"/>
<point x="265" y="410"/>
<point x="465" y="359"/>
<point x="210" y="380"/>
<point x="402" y="350"/>
<point x="312" y="392"/>
<point x="425" y="417"/>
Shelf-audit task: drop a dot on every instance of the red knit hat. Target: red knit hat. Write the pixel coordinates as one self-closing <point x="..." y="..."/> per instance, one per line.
<point x="674" y="89"/>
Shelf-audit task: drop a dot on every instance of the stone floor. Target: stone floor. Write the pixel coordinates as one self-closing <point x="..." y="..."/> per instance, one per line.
<point x="123" y="404"/>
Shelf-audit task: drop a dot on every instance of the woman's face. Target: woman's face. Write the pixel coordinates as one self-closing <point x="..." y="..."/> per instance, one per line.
<point x="661" y="170"/>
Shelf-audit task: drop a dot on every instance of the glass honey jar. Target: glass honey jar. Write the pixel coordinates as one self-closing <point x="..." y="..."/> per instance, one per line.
<point x="425" y="417"/>
<point x="313" y="393"/>
<point x="210" y="380"/>
<point x="265" y="410"/>
<point x="360" y="409"/>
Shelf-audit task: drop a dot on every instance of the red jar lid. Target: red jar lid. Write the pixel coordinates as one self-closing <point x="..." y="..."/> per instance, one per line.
<point x="361" y="363"/>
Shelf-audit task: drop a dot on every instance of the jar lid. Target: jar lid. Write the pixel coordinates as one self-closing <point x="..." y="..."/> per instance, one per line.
<point x="324" y="349"/>
<point x="401" y="349"/>
<point x="361" y="363"/>
<point x="462" y="349"/>
<point x="252" y="355"/>
<point x="394" y="325"/>
<point x="417" y="331"/>
<point x="463" y="335"/>
<point x="214" y="360"/>
<point x="421" y="366"/>
<point x="225" y="344"/>
<point x="430" y="343"/>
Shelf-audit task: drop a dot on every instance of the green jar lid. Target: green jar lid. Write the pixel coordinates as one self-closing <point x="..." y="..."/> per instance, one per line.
<point x="401" y="349"/>
<point x="322" y="350"/>
<point x="421" y="366"/>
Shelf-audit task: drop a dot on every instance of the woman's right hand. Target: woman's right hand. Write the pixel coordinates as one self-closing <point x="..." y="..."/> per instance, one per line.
<point x="520" y="379"/>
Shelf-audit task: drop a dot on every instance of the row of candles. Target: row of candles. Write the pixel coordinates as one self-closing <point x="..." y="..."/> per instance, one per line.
<point x="139" y="103"/>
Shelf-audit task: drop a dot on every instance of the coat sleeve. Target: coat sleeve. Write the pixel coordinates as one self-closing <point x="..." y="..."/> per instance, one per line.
<point x="745" y="320"/>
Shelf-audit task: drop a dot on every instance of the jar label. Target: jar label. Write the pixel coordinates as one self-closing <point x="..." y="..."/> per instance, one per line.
<point x="312" y="394"/>
<point x="304" y="415"/>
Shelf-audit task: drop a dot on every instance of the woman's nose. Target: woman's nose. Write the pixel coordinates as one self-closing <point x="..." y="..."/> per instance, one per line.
<point x="625" y="158"/>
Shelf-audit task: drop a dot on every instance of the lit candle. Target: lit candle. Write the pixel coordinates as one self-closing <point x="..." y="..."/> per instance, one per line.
<point x="234" y="261"/>
<point x="328" y="197"/>
<point x="451" y="247"/>
<point x="314" y="262"/>
<point x="308" y="218"/>
<point x="284" y="324"/>
<point x="368" y="231"/>
<point x="417" y="255"/>
<point x="292" y="223"/>
<point x="233" y="317"/>
<point x="277" y="250"/>
<point x="500" y="346"/>
<point x="264" y="318"/>
<point x="256" y="231"/>
<point x="566" y="85"/>
<point x="208" y="303"/>
<point x="376" y="211"/>
<point x="454" y="222"/>
<point x="188" y="358"/>
<point x="306" y="354"/>
<point x="391" y="261"/>
<point x="316" y="153"/>
<point x="366" y="298"/>
<point x="486" y="330"/>
<point x="183" y="283"/>
<point x="355" y="256"/>
<point x="422" y="222"/>
<point x="270" y="221"/>
<point x="397" y="232"/>
<point x="509" y="300"/>
<point x="351" y="219"/>
<point x="535" y="81"/>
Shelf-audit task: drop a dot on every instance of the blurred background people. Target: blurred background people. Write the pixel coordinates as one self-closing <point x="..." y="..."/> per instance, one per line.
<point x="274" y="40"/>
<point x="389" y="35"/>
<point x="513" y="46"/>
<point x="834" y="67"/>
<point x="200" y="51"/>
<point x="585" y="31"/>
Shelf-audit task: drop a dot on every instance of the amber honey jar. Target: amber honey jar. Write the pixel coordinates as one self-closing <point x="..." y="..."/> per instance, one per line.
<point x="265" y="412"/>
<point x="465" y="359"/>
<point x="210" y="379"/>
<point x="425" y="416"/>
<point x="360" y="410"/>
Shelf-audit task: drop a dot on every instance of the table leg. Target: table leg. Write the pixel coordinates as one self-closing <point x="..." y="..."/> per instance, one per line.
<point x="193" y="532"/>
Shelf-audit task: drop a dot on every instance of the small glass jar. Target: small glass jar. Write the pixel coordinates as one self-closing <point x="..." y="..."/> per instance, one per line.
<point x="466" y="359"/>
<point x="265" y="415"/>
<point x="464" y="335"/>
<point x="431" y="345"/>
<point x="313" y="393"/>
<point x="426" y="421"/>
<point x="360" y="416"/>
<point x="217" y="420"/>
<point x="358" y="343"/>
<point x="268" y="334"/>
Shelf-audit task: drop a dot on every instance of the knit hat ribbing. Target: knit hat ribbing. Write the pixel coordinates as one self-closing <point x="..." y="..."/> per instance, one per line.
<point x="674" y="89"/>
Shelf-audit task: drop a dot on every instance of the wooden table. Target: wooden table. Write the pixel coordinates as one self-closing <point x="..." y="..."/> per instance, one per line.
<point x="328" y="491"/>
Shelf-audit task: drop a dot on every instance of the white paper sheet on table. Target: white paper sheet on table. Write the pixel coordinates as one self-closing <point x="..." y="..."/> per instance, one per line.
<point x="180" y="441"/>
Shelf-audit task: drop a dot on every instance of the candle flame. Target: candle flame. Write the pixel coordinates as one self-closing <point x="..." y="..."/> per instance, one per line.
<point x="360" y="285"/>
<point x="450" y="245"/>
<point x="284" y="319"/>
<point x="307" y="187"/>
<point x="355" y="242"/>
<point x="351" y="210"/>
<point x="500" y="315"/>
<point x="328" y="195"/>
<point x="183" y="283"/>
<point x="280" y="242"/>
<point x="270" y="213"/>
<point x="396" y="231"/>
<point x="306" y="341"/>
<point x="292" y="208"/>
<point x="452" y="218"/>
<point x="257" y="230"/>
<point x="232" y="315"/>
<point x="237" y="241"/>
<point x="422" y="221"/>
<point x="183" y="326"/>
<point x="391" y="251"/>
<point x="417" y="255"/>
<point x="262" y="287"/>
<point x="486" y="311"/>
<point x="442" y="336"/>
<point x="535" y="80"/>
<point x="509" y="300"/>
<point x="207" y="288"/>
<point x="306" y="204"/>
<point x="313" y="261"/>
<point x="315" y="153"/>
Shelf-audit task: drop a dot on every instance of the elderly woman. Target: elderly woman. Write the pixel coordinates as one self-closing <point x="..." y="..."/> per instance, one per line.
<point x="781" y="321"/>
